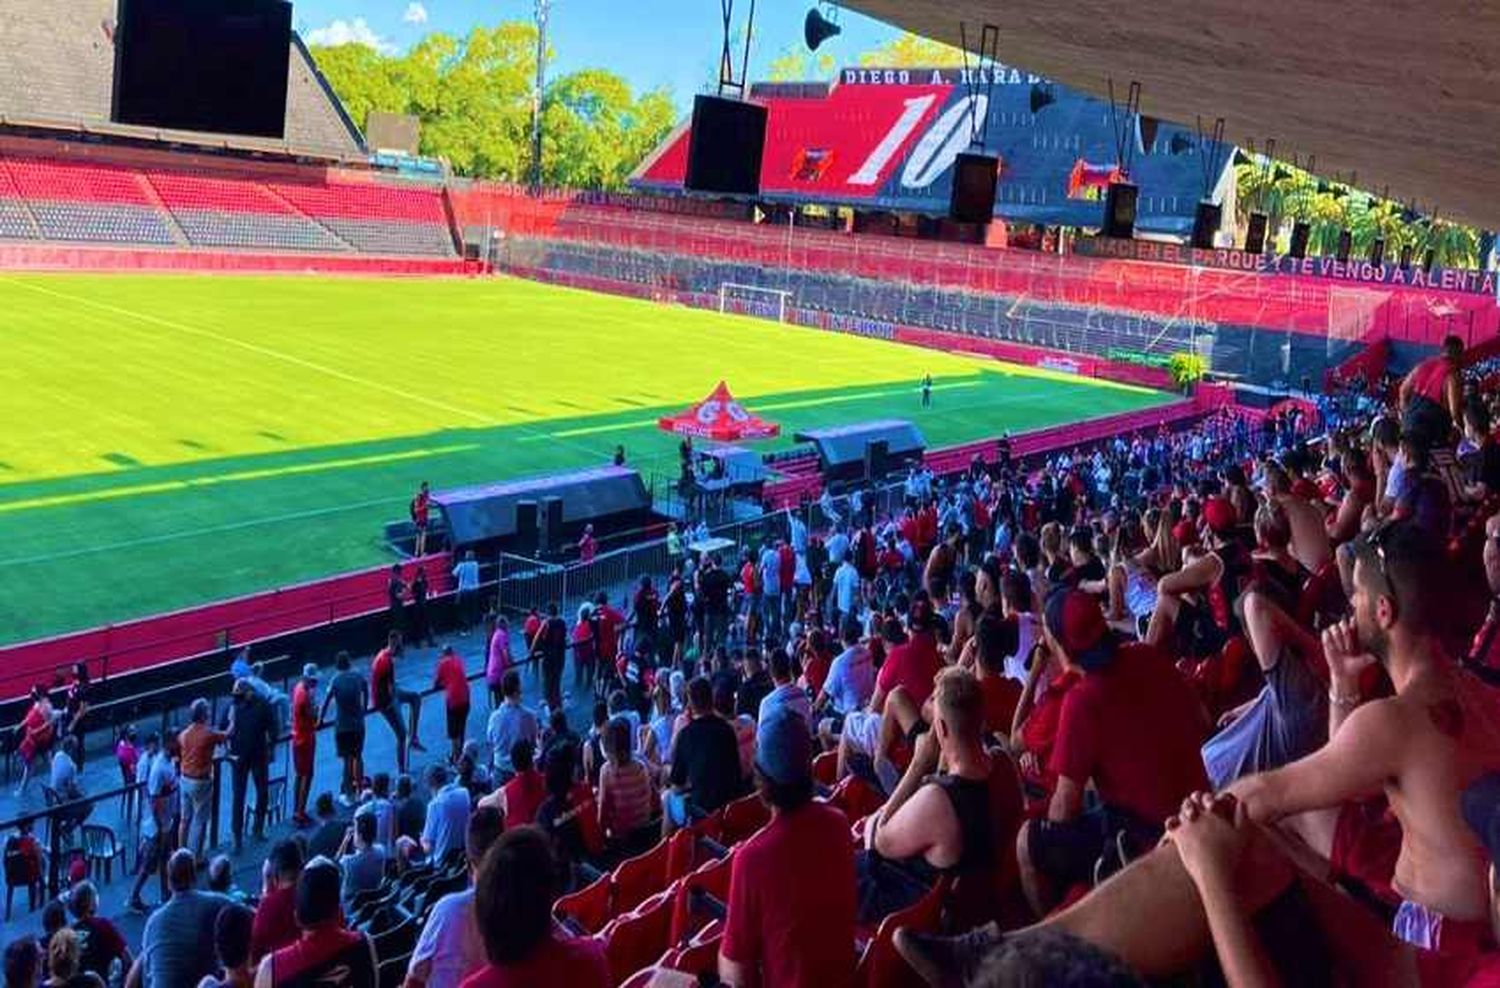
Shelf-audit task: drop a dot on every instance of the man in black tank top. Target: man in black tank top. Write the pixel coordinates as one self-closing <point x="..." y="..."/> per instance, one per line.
<point x="955" y="807"/>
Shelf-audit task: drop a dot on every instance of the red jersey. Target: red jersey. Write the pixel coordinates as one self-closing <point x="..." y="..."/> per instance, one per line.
<point x="1430" y="380"/>
<point x="747" y="577"/>
<point x="913" y="666"/>
<point x="798" y="933"/>
<point x="304" y="715"/>
<point x="786" y="565"/>
<point x="454" y="680"/>
<point x="523" y="794"/>
<point x="421" y="506"/>
<point x="610" y="623"/>
<point x="1134" y="729"/>
<point x="1001" y="694"/>
<point x="382" y="680"/>
<point x="578" y="962"/>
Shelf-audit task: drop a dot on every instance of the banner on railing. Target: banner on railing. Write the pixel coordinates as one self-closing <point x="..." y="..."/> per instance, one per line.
<point x="1362" y="272"/>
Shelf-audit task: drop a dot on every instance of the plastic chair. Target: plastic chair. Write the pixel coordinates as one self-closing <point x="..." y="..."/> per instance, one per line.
<point x="744" y="817"/>
<point x="711" y="878"/>
<point x="22" y="871"/>
<point x="856" y="797"/>
<point x="881" y="966"/>
<point x="588" y="908"/>
<point x="392" y="973"/>
<point x="636" y="940"/>
<point x="825" y="768"/>
<point x="100" y="846"/>
<point x="637" y="879"/>
<point x="682" y="854"/>
<point x="275" y="802"/>
<point x="702" y="955"/>
<point x="398" y="940"/>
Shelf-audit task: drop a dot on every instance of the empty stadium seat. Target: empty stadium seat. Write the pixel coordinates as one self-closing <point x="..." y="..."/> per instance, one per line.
<point x="637" y="939"/>
<point x="880" y="966"/>
<point x="587" y="909"/>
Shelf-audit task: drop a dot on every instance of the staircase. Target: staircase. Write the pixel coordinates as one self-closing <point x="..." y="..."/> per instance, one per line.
<point x="179" y="235"/>
<point x="311" y="219"/>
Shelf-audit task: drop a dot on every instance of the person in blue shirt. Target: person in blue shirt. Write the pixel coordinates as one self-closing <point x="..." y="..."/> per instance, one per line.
<point x="511" y="722"/>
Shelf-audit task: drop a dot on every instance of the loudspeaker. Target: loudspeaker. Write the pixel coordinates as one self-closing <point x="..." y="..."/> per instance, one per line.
<point x="526" y="528"/>
<point x="1405" y="257"/>
<point x="549" y="524"/>
<point x="1148" y="128"/>
<point x="1206" y="224"/>
<point x="1040" y="97"/>
<point x="725" y="146"/>
<point x="1346" y="244"/>
<point x="471" y="252"/>
<point x="1255" y="234"/>
<point x="1377" y="251"/>
<point x="1119" y="210"/>
<point x="1300" y="233"/>
<point x="206" y="65"/>
<point x="877" y="453"/>
<point x="818" y="29"/>
<point x="974" y="179"/>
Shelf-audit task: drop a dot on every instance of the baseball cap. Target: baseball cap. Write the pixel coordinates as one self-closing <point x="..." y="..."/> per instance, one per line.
<point x="783" y="748"/>
<point x="1481" y="808"/>
<point x="1076" y="621"/>
<point x="310" y="671"/>
<point x="1219" y="514"/>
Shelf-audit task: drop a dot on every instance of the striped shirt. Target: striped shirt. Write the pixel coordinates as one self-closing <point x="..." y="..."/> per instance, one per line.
<point x="625" y="797"/>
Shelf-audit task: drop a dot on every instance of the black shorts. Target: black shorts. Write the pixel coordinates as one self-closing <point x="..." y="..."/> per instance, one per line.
<point x="349" y="744"/>
<point x="1067" y="851"/>
<point x="458" y="722"/>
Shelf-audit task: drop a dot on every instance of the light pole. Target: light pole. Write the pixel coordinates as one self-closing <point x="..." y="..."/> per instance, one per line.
<point x="542" y="9"/>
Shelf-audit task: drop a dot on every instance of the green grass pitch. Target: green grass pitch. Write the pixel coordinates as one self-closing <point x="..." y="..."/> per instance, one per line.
<point x="178" y="439"/>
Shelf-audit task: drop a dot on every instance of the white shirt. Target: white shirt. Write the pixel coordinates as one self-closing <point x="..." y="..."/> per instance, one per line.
<point x="845" y="586"/>
<point x="799" y="533"/>
<point x="851" y="679"/>
<point x="1026" y="636"/>
<point x="450" y="941"/>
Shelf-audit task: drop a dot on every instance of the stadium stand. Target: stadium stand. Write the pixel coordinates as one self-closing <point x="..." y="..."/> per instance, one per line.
<point x="100" y="201"/>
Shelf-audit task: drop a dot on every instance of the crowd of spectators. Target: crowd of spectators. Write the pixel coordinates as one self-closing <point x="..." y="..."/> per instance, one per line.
<point x="1215" y="702"/>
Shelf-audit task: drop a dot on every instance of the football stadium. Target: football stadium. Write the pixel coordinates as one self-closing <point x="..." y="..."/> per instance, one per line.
<point x="971" y="511"/>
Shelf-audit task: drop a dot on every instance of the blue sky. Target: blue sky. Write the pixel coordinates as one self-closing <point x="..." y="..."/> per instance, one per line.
<point x="670" y="43"/>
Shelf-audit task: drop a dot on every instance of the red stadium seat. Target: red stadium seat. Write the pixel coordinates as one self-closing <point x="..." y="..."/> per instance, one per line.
<point x="825" y="768"/>
<point x="744" y="817"/>
<point x="637" y="879"/>
<point x="880" y="966"/>
<point x="712" y="878"/>
<point x="588" y="908"/>
<point x="636" y="940"/>
<point x="699" y="957"/>
<point x="856" y="797"/>
<point x="682" y="854"/>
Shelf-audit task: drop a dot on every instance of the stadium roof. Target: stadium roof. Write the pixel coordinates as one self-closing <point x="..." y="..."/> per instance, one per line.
<point x="1405" y="94"/>
<point x="57" y="63"/>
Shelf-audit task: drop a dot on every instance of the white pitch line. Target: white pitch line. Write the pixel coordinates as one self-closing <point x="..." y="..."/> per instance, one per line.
<point x="263" y="351"/>
<point x="193" y="533"/>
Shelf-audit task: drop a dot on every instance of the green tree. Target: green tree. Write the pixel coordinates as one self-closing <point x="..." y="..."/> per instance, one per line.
<point x="595" y="131"/>
<point x="797" y="64"/>
<point x="907" y="51"/>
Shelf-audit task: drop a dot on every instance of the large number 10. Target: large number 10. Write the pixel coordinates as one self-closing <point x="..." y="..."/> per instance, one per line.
<point x="934" y="153"/>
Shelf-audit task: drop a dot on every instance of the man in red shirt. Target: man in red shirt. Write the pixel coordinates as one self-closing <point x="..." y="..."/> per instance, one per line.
<point x="781" y="928"/>
<point x="275" y="923"/>
<point x="304" y="741"/>
<point x="1132" y="726"/>
<point x="421" y="509"/>
<point x="453" y="678"/>
<point x="609" y="621"/>
<point x="588" y="546"/>
<point x="326" y="954"/>
<point x="385" y="699"/>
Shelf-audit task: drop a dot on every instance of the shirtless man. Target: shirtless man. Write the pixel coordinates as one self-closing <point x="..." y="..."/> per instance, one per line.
<point x="1423" y="747"/>
<point x="1310" y="542"/>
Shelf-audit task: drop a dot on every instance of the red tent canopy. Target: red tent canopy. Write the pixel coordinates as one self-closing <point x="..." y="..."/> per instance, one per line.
<point x="719" y="417"/>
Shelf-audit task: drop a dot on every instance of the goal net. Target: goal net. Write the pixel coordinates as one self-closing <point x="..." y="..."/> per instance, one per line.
<point x="752" y="300"/>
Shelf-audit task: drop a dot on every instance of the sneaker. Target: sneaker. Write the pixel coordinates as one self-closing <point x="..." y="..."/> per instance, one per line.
<point x="947" y="962"/>
<point x="417" y="745"/>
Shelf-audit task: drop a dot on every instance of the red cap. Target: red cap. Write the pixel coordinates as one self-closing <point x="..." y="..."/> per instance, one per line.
<point x="1220" y="514"/>
<point x="1076" y="620"/>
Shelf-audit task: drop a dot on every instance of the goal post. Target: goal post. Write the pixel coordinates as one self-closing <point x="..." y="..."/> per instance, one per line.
<point x="752" y="300"/>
